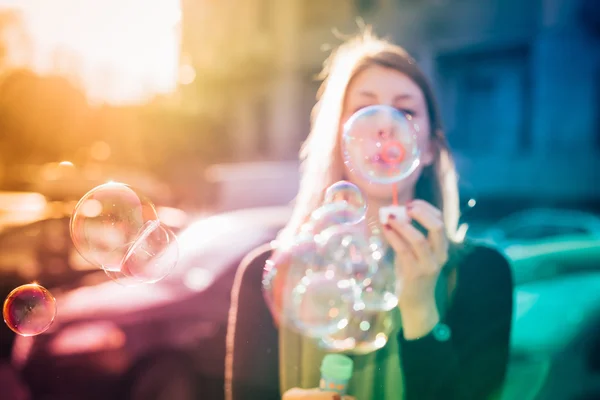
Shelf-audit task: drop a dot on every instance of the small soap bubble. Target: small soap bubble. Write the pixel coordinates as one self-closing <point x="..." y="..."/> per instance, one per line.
<point x="29" y="310"/>
<point x="347" y="193"/>
<point x="334" y="214"/>
<point x="380" y="144"/>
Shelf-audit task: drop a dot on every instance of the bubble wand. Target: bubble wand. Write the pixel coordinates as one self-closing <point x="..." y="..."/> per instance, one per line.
<point x="393" y="153"/>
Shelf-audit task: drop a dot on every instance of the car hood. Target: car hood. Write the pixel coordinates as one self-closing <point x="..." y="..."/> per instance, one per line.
<point x="112" y="299"/>
<point x="548" y="314"/>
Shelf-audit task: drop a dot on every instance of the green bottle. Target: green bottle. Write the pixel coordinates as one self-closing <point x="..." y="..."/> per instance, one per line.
<point x="336" y="371"/>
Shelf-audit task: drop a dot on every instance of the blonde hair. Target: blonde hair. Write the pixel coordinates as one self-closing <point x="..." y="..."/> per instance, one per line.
<point x="322" y="163"/>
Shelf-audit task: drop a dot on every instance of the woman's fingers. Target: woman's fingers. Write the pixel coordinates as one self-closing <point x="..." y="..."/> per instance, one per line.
<point x="417" y="241"/>
<point x="427" y="206"/>
<point x="436" y="234"/>
<point x="404" y="255"/>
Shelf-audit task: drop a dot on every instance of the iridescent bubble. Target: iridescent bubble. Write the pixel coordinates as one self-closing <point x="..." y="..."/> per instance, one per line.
<point x="379" y="291"/>
<point x="348" y="249"/>
<point x="380" y="144"/>
<point x="284" y="273"/>
<point x="107" y="221"/>
<point x="152" y="256"/>
<point x="29" y="310"/>
<point x="116" y="228"/>
<point x="366" y="331"/>
<point x="334" y="214"/>
<point x="321" y="303"/>
<point x="346" y="193"/>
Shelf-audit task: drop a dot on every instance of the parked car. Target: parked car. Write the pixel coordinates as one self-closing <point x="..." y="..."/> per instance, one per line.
<point x="159" y="341"/>
<point x="555" y="340"/>
<point x="541" y="243"/>
<point x="541" y="224"/>
<point x="250" y="185"/>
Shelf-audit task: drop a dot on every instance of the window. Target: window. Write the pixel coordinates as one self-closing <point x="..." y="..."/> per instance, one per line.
<point x="486" y="100"/>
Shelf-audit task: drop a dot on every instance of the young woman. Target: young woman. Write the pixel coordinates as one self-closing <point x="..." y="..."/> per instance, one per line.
<point x="449" y="346"/>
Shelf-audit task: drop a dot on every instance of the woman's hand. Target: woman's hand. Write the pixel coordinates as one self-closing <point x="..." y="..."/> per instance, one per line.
<point x="419" y="260"/>
<point x="313" y="394"/>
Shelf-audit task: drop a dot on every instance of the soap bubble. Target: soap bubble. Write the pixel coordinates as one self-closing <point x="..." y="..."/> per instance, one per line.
<point x="321" y="303"/>
<point x="285" y="272"/>
<point x="379" y="291"/>
<point x="334" y="214"/>
<point x="380" y="144"/>
<point x="366" y="331"/>
<point x="347" y="193"/>
<point x="117" y="229"/>
<point x="29" y="310"/>
<point x="107" y="220"/>
<point x="348" y="248"/>
<point x="149" y="259"/>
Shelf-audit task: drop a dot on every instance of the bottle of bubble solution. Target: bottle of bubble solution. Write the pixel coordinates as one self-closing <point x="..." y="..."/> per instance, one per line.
<point x="336" y="371"/>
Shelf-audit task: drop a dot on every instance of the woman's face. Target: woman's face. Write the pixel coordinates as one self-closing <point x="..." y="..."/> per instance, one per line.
<point x="384" y="86"/>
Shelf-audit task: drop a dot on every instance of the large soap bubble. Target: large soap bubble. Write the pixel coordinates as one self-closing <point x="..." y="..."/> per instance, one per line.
<point x="365" y="332"/>
<point x="117" y="229"/>
<point x="348" y="249"/>
<point x="380" y="144"/>
<point x="321" y="303"/>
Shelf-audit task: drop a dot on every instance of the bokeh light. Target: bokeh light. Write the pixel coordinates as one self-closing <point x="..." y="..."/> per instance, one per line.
<point x="119" y="51"/>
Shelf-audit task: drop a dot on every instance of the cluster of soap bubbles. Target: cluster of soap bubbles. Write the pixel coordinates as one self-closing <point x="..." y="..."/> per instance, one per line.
<point x="115" y="228"/>
<point x="337" y="281"/>
<point x="335" y="276"/>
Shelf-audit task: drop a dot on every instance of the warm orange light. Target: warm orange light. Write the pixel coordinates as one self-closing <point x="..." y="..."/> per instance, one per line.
<point x="120" y="51"/>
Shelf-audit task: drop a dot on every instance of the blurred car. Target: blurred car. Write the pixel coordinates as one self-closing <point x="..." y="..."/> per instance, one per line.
<point x="540" y="243"/>
<point x="256" y="184"/>
<point x="64" y="180"/>
<point x="538" y="224"/>
<point x="159" y="341"/>
<point x="555" y="341"/>
<point x="43" y="251"/>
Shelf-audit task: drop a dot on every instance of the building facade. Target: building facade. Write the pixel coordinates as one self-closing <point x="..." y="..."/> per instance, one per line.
<point x="518" y="81"/>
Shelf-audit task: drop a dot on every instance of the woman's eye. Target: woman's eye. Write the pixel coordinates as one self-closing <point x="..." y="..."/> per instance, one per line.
<point x="407" y="112"/>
